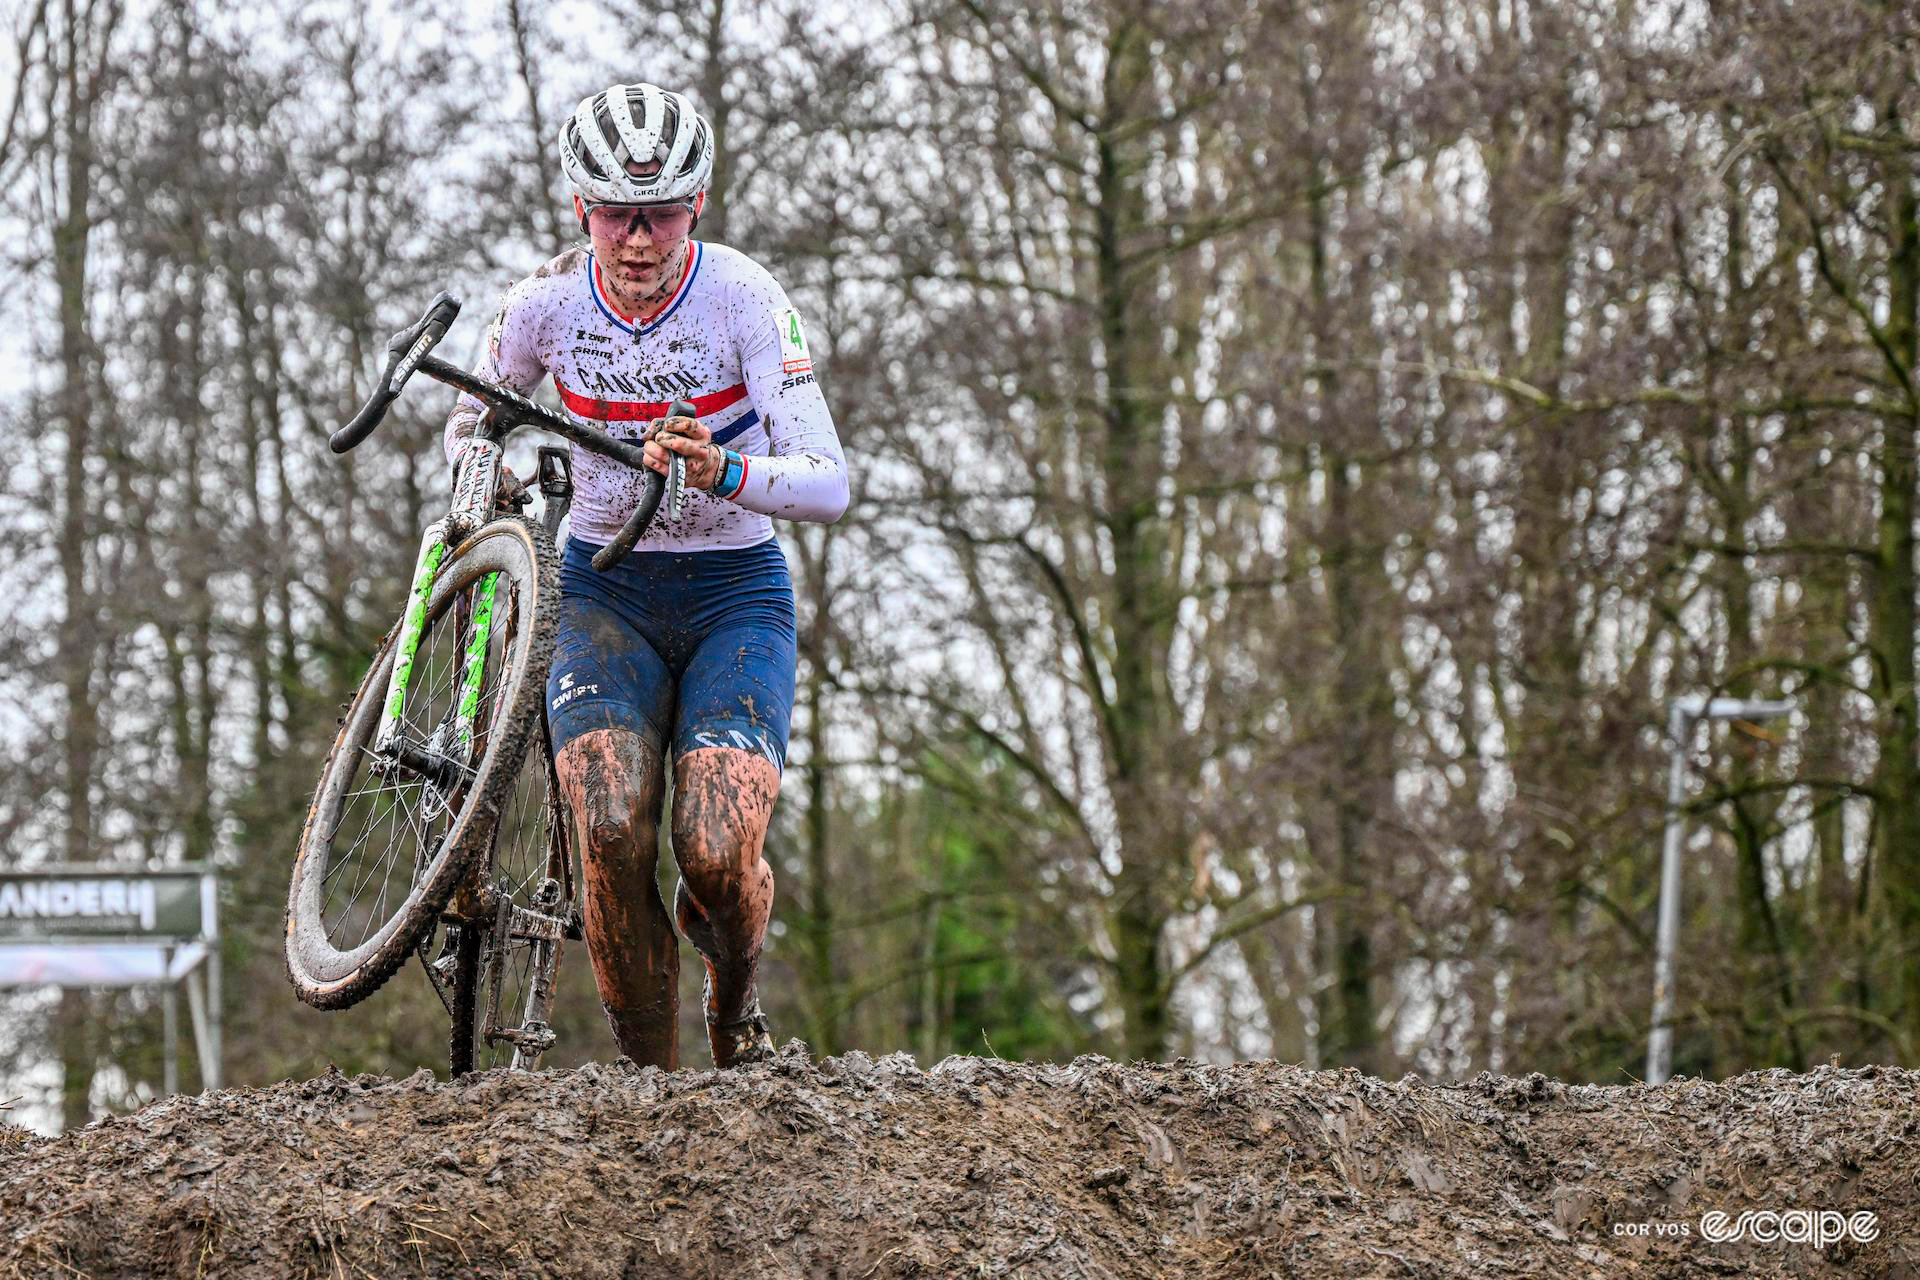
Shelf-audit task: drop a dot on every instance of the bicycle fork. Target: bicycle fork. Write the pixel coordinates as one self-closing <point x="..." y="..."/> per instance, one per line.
<point x="442" y="761"/>
<point x="453" y="753"/>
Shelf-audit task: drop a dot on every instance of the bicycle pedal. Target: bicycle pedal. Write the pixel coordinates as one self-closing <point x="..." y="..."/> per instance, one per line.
<point x="534" y="1037"/>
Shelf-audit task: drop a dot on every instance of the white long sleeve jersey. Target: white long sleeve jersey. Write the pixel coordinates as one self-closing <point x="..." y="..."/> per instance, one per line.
<point x="727" y="339"/>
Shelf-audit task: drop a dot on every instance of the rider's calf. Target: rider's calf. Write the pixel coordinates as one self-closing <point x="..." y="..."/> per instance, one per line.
<point x="723" y="800"/>
<point x="612" y="781"/>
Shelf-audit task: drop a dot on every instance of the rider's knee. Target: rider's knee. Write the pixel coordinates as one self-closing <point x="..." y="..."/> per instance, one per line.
<point x="722" y="801"/>
<point x="611" y="780"/>
<point x="610" y="824"/>
<point x="709" y="865"/>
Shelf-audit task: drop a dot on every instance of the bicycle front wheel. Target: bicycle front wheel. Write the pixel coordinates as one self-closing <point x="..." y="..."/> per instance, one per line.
<point x="388" y="836"/>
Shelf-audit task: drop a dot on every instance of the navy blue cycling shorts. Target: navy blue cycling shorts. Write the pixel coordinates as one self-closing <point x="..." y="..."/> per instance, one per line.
<point x="692" y="648"/>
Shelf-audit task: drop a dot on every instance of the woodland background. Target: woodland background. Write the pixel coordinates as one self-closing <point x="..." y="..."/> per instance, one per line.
<point x="1298" y="451"/>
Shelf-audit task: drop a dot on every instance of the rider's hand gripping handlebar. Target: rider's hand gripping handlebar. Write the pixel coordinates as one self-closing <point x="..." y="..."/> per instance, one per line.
<point x="405" y="349"/>
<point x="652" y="487"/>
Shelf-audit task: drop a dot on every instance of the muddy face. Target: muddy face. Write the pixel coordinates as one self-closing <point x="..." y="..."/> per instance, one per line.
<point x="613" y="781"/>
<point x="639" y="272"/>
<point x="723" y="800"/>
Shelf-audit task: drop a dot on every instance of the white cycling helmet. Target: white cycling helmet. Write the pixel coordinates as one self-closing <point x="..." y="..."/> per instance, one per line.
<point x="636" y="144"/>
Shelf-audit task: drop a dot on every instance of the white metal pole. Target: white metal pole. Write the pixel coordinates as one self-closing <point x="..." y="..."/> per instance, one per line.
<point x="213" y="1066"/>
<point x="1660" y="1041"/>
<point x="197" y="1011"/>
<point x="170" y="1030"/>
<point x="210" y="1065"/>
<point x="1686" y="712"/>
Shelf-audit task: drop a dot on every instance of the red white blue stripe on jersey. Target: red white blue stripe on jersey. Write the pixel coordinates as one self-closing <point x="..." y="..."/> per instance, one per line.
<point x="626" y="324"/>
<point x="648" y="410"/>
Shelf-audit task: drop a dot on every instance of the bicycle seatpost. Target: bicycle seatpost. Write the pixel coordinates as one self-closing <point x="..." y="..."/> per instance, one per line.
<point x="556" y="485"/>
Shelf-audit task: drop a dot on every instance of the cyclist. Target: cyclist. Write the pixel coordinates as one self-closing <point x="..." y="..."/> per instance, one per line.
<point x="686" y="647"/>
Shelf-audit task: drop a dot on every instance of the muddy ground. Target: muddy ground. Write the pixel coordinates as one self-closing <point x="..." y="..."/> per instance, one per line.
<point x="851" y="1167"/>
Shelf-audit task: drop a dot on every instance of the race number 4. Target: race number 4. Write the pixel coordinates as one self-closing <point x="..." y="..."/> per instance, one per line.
<point x="794" y="356"/>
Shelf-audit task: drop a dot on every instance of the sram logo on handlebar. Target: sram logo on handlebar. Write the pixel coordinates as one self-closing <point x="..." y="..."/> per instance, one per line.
<point x="411" y="361"/>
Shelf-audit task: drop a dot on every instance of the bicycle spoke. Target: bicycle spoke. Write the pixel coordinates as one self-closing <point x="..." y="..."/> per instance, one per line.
<point x="350" y="857"/>
<point x="523" y="861"/>
<point x="394" y="812"/>
<point x="366" y="879"/>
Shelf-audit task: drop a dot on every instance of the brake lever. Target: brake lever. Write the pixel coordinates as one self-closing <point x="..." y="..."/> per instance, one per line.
<point x="675" y="501"/>
<point x="405" y="350"/>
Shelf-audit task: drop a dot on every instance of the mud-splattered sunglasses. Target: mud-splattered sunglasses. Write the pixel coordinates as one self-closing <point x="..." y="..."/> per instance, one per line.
<point x="667" y="220"/>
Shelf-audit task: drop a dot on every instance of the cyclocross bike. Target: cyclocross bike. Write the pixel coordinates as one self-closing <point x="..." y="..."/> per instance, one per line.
<point x="436" y="829"/>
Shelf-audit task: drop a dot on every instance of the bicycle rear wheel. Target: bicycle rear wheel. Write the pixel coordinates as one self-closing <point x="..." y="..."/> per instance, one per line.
<point x="503" y="971"/>
<point x="386" y="840"/>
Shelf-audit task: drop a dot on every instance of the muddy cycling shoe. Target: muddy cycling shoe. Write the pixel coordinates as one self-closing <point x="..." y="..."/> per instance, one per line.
<point x="741" y="1043"/>
<point x="738" y="1042"/>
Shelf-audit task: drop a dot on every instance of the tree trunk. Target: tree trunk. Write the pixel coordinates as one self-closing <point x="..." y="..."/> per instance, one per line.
<point x="1892" y="621"/>
<point x="1141" y="614"/>
<point x="77" y="645"/>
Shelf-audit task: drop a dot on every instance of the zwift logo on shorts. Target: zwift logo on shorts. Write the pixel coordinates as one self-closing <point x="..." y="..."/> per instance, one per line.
<point x="569" y="691"/>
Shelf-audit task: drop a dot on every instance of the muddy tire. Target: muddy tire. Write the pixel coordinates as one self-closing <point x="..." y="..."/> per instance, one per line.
<point x="380" y="857"/>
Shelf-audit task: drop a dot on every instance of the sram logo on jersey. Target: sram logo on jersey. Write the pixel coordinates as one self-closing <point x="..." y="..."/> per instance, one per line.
<point x="794" y="356"/>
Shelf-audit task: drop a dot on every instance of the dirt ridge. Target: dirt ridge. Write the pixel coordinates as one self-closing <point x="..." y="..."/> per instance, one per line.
<point x="858" y="1167"/>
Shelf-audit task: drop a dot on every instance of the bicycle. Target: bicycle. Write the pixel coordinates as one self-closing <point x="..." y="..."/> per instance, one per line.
<point x="433" y="747"/>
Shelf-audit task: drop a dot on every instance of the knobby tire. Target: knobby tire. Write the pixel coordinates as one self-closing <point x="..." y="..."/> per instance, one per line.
<point x="325" y="976"/>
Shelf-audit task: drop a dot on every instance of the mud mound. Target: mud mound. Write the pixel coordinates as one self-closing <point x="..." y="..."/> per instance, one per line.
<point x="851" y="1167"/>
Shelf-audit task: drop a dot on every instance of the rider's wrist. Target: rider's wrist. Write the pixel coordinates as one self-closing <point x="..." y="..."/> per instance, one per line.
<point x="733" y="475"/>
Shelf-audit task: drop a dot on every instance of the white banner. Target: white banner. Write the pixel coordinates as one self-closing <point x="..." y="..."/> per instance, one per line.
<point x="104" y="965"/>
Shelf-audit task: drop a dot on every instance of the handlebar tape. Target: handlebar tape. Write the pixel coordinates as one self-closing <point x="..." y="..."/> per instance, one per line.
<point x="653" y="486"/>
<point x="364" y="421"/>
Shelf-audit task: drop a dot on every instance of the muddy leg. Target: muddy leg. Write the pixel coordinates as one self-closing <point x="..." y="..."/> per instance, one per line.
<point x="722" y="802"/>
<point x="613" y="781"/>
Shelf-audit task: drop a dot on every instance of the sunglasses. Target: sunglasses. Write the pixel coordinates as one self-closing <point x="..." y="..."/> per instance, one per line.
<point x="668" y="220"/>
